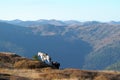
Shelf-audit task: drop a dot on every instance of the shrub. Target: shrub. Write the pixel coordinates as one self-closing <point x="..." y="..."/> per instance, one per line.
<point x="35" y="57"/>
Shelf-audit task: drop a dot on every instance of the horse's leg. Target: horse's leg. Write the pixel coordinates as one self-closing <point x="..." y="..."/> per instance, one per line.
<point x="42" y="59"/>
<point x="49" y="59"/>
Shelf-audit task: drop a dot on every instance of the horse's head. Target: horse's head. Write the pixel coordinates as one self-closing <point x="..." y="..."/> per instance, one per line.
<point x="39" y="53"/>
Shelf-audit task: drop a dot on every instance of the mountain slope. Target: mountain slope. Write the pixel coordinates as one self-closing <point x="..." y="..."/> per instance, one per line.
<point x="89" y="45"/>
<point x="24" y="41"/>
<point x="103" y="37"/>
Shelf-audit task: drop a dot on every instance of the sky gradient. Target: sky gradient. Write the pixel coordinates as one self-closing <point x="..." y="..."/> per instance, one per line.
<point x="82" y="10"/>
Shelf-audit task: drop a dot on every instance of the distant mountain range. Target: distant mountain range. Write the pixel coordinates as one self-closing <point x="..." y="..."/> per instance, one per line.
<point x="85" y="45"/>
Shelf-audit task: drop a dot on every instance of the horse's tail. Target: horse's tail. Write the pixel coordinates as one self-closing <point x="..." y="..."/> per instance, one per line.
<point x="50" y="59"/>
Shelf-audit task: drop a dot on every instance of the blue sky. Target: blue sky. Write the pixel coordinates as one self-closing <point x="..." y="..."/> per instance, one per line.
<point x="82" y="10"/>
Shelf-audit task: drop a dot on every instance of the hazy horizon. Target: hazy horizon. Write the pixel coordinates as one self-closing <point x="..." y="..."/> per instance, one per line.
<point x="60" y="20"/>
<point x="80" y="10"/>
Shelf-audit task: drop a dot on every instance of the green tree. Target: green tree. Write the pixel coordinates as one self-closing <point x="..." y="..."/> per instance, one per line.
<point x="35" y="57"/>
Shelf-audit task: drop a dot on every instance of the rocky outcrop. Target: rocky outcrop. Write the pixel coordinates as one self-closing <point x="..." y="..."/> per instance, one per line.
<point x="12" y="60"/>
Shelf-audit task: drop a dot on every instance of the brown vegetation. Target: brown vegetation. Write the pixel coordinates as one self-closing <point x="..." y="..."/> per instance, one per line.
<point x="30" y="64"/>
<point x="54" y="74"/>
<point x="7" y="60"/>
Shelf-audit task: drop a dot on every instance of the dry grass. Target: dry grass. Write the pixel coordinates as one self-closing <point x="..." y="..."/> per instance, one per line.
<point x="66" y="74"/>
<point x="101" y="77"/>
<point x="26" y="64"/>
<point x="28" y="73"/>
<point x="110" y="71"/>
<point x="30" y="64"/>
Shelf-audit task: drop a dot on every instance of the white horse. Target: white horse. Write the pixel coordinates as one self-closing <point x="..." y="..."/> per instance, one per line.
<point x="44" y="57"/>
